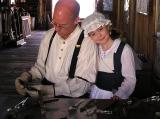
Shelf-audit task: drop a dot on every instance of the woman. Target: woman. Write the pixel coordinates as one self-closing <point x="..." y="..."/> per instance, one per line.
<point x="116" y="68"/>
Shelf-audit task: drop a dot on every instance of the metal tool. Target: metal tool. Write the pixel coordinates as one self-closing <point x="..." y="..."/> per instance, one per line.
<point x="75" y="106"/>
<point x="18" y="106"/>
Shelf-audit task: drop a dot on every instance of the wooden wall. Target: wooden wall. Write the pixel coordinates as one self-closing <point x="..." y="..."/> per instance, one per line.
<point x="144" y="30"/>
<point x="0" y="28"/>
<point x="140" y="29"/>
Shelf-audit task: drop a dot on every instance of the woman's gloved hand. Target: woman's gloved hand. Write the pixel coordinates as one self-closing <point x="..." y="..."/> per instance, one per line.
<point x="21" y="81"/>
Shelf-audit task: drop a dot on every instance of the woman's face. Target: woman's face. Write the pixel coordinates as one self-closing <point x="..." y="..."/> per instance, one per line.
<point x="100" y="35"/>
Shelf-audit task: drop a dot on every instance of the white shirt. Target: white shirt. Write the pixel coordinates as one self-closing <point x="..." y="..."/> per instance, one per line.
<point x="59" y="60"/>
<point x="106" y="64"/>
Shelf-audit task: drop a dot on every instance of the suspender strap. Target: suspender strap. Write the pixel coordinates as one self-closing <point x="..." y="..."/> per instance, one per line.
<point x="117" y="58"/>
<point x="45" y="81"/>
<point x="50" y="43"/>
<point x="75" y="54"/>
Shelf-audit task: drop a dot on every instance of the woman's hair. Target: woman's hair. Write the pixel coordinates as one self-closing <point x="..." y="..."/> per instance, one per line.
<point x="114" y="34"/>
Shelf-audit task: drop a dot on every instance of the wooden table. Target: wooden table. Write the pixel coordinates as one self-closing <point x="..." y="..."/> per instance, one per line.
<point x="79" y="109"/>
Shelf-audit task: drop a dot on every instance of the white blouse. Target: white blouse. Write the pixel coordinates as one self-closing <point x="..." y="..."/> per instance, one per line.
<point x="106" y="64"/>
<point x="59" y="60"/>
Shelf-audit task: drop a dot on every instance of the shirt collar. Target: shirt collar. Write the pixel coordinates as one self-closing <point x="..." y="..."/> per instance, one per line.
<point x="113" y="48"/>
<point x="115" y="45"/>
<point x="72" y="36"/>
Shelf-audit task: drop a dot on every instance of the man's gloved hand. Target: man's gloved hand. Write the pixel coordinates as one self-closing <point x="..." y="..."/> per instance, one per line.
<point x="41" y="90"/>
<point x="21" y="81"/>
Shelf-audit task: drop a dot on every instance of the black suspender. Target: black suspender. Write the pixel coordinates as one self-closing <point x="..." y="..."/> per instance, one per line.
<point x="50" y="46"/>
<point x="45" y="81"/>
<point x="117" y="58"/>
<point x="75" y="54"/>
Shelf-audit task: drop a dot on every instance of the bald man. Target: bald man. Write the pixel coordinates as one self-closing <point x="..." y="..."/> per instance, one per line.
<point x="66" y="63"/>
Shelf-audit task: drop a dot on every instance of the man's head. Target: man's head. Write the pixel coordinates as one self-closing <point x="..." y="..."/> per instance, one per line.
<point x="66" y="17"/>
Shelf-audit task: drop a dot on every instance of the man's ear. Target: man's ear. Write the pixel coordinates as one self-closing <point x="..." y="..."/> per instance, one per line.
<point x="77" y="20"/>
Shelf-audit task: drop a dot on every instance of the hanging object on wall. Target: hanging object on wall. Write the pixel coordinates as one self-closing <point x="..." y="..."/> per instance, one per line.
<point x="42" y="11"/>
<point x="23" y="1"/>
<point x="143" y="7"/>
<point x="108" y="5"/>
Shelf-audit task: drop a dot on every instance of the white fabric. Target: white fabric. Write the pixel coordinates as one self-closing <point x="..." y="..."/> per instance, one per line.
<point x="59" y="60"/>
<point x="93" y="22"/>
<point x="97" y="93"/>
<point x="128" y="71"/>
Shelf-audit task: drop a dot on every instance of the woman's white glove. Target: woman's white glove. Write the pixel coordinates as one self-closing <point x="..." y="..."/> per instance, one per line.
<point x="21" y="81"/>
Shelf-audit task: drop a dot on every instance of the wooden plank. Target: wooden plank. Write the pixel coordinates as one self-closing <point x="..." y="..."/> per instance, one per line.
<point x="14" y="61"/>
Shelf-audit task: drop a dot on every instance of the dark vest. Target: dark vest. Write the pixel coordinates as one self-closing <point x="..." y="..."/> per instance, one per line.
<point x="111" y="81"/>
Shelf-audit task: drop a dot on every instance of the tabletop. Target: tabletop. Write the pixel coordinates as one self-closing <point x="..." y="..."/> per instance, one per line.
<point x="65" y="108"/>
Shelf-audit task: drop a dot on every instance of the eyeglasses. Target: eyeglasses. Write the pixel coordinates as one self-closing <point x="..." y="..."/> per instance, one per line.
<point x="61" y="26"/>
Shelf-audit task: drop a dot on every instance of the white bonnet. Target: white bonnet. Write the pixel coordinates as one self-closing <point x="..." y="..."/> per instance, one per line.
<point x="93" y="22"/>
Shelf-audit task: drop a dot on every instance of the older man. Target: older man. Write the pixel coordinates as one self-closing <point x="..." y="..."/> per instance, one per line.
<point x="66" y="59"/>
